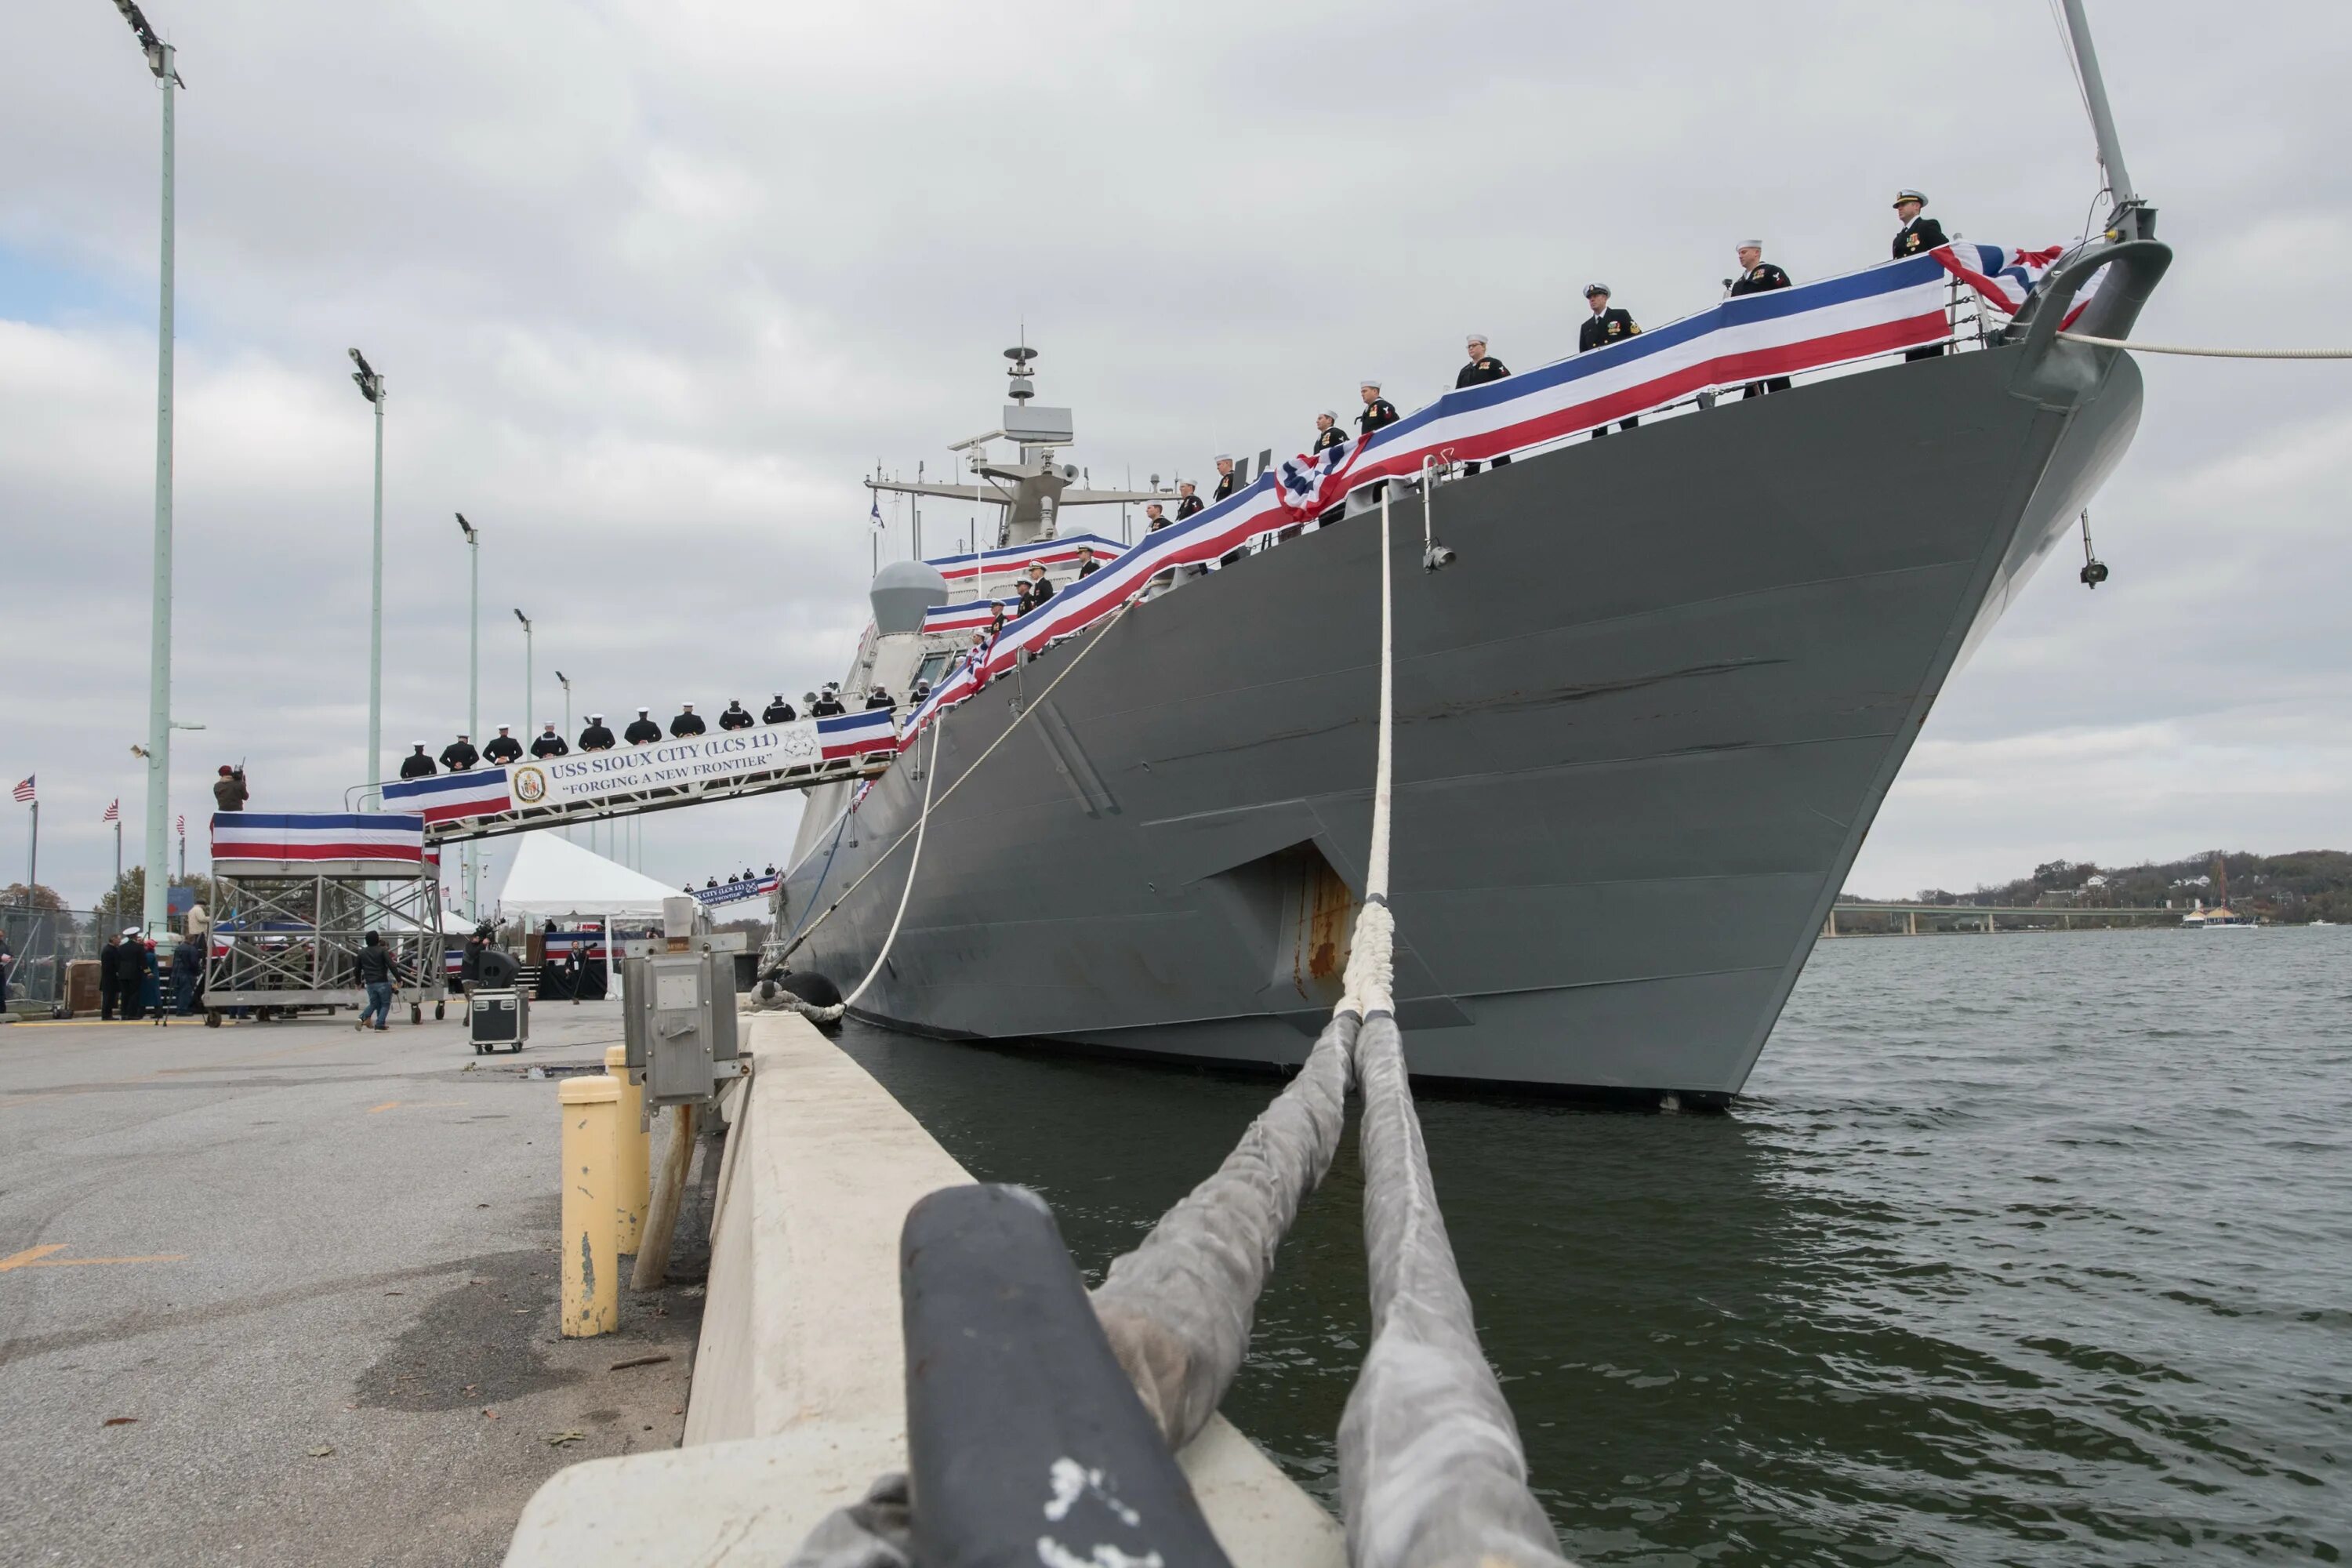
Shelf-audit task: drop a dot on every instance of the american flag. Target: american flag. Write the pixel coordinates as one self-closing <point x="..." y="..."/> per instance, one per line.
<point x="24" y="792"/>
<point x="184" y="825"/>
<point x="113" y="810"/>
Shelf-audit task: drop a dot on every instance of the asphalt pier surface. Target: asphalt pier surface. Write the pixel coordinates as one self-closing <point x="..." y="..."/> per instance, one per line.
<point x="286" y="1293"/>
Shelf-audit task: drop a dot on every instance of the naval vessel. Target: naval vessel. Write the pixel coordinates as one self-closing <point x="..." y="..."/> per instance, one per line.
<point x="1645" y="719"/>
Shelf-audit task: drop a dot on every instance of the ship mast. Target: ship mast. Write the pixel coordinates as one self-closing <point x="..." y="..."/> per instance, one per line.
<point x="2129" y="218"/>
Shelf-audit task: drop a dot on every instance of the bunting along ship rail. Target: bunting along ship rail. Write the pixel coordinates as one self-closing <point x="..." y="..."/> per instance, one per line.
<point x="1643" y="720"/>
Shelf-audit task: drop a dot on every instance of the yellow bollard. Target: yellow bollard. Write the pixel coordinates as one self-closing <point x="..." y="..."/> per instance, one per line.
<point x="633" y="1149"/>
<point x="590" y="1249"/>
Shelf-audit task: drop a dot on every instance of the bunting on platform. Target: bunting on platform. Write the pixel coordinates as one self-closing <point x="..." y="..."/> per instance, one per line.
<point x="1057" y="555"/>
<point x="316" y="836"/>
<point x="855" y="734"/>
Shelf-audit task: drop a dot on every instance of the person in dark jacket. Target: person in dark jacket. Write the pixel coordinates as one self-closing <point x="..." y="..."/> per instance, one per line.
<point x="1483" y="368"/>
<point x="828" y="703"/>
<point x="1758" y="276"/>
<point x="1227" y="480"/>
<point x="110" y="988"/>
<point x="1378" y="412"/>
<point x="1187" y="503"/>
<point x="547" y="744"/>
<point x="187" y="974"/>
<point x="129" y="970"/>
<point x="736" y="716"/>
<point x="151" y="980"/>
<point x="416" y="764"/>
<point x="229" y="793"/>
<point x="1604" y="326"/>
<point x="643" y="731"/>
<point x="1087" y="565"/>
<point x="778" y="712"/>
<point x="880" y="697"/>
<point x="1919" y="235"/>
<point x="688" y="722"/>
<point x="1328" y="433"/>
<point x="597" y="736"/>
<point x="376" y="967"/>
<point x="502" y="748"/>
<point x="459" y="755"/>
<point x="1040" y="587"/>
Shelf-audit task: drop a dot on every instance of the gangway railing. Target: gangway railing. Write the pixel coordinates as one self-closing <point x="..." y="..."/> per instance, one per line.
<point x="664" y="797"/>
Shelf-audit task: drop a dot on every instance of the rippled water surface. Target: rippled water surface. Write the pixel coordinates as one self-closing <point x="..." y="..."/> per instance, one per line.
<point x="2028" y="1249"/>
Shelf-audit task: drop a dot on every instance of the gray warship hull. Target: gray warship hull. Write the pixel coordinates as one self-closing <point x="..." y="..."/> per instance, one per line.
<point x="1643" y="724"/>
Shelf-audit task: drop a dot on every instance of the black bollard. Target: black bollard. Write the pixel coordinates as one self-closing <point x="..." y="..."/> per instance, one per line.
<point x="1026" y="1443"/>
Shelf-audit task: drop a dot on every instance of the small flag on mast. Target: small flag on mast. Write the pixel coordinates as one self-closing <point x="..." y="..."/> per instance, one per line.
<point x="24" y="792"/>
<point x="877" y="514"/>
<point x="113" y="810"/>
<point x="184" y="825"/>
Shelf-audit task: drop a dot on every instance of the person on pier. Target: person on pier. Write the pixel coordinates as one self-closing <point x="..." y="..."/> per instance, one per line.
<point x="596" y="737"/>
<point x="502" y="748"/>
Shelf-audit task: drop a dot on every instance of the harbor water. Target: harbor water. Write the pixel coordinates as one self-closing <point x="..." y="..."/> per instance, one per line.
<point x="2027" y="1249"/>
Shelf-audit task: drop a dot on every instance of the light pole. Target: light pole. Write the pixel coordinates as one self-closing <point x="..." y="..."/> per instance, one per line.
<point x="529" y="724"/>
<point x="371" y="387"/>
<point x="473" y="679"/>
<point x="161" y="61"/>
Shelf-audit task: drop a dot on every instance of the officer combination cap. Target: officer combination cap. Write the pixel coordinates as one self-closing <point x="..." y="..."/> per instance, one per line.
<point x="644" y="709"/>
<point x="1592" y="289"/>
<point x="505" y="727"/>
<point x="595" y="718"/>
<point x="1901" y="197"/>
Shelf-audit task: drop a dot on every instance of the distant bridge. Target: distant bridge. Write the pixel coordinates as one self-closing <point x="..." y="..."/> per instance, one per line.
<point x="1933" y="920"/>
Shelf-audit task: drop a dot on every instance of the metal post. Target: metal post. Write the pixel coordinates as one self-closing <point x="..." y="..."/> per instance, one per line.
<point x="376" y="612"/>
<point x="33" y="862"/>
<point x="2125" y="217"/>
<point x="529" y="679"/>
<point x="159" y="645"/>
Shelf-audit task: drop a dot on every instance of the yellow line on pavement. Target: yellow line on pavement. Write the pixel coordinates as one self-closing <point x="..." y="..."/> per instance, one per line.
<point x="79" y="1262"/>
<point x="30" y="1255"/>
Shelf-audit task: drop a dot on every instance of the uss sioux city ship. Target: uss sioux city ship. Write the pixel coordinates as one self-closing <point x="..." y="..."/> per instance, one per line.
<point x="1645" y="717"/>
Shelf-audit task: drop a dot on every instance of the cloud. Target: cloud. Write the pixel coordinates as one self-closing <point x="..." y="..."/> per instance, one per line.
<point x="654" y="284"/>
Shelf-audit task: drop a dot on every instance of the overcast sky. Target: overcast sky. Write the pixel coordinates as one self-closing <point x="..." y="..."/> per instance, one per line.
<point x="652" y="283"/>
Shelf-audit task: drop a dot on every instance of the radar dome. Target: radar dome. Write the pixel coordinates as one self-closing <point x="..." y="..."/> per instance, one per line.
<point x="902" y="591"/>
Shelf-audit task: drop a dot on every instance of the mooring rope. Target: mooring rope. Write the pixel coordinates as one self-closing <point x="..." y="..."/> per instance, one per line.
<point x="1431" y="1470"/>
<point x="2203" y="352"/>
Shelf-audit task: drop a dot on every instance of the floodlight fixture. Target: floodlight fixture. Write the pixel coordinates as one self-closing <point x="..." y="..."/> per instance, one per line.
<point x="524" y="620"/>
<point x="472" y="532"/>
<point x="370" y="383"/>
<point x="155" y="47"/>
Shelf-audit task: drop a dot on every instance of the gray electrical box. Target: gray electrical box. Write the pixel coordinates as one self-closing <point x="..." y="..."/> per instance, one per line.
<point x="679" y="1024"/>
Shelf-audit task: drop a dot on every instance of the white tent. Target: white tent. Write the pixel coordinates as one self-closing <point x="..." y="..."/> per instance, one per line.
<point x="553" y="879"/>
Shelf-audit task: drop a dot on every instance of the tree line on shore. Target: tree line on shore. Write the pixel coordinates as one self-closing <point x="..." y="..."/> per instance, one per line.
<point x="2302" y="886"/>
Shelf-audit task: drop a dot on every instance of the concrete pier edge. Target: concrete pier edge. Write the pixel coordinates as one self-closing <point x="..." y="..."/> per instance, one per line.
<point x="798" y="1386"/>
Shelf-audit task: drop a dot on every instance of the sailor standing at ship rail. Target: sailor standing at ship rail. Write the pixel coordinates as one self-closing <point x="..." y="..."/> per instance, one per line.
<point x="458" y="755"/>
<point x="1483" y="368"/>
<point x="503" y="748"/>
<point x="1226" y="478"/>
<point x="549" y="744"/>
<point x="642" y="731"/>
<point x="778" y="712"/>
<point x="1604" y="326"/>
<point x="687" y="722"/>
<point x="1758" y="276"/>
<point x="1918" y="233"/>
<point x="596" y="737"/>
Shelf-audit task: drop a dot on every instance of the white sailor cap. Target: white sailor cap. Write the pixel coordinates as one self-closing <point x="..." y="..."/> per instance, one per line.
<point x="1225" y="457"/>
<point x="1478" y="338"/>
<point x="1326" y="414"/>
<point x="1371" y="381"/>
<point x="1749" y="244"/>
<point x="549" y="725"/>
